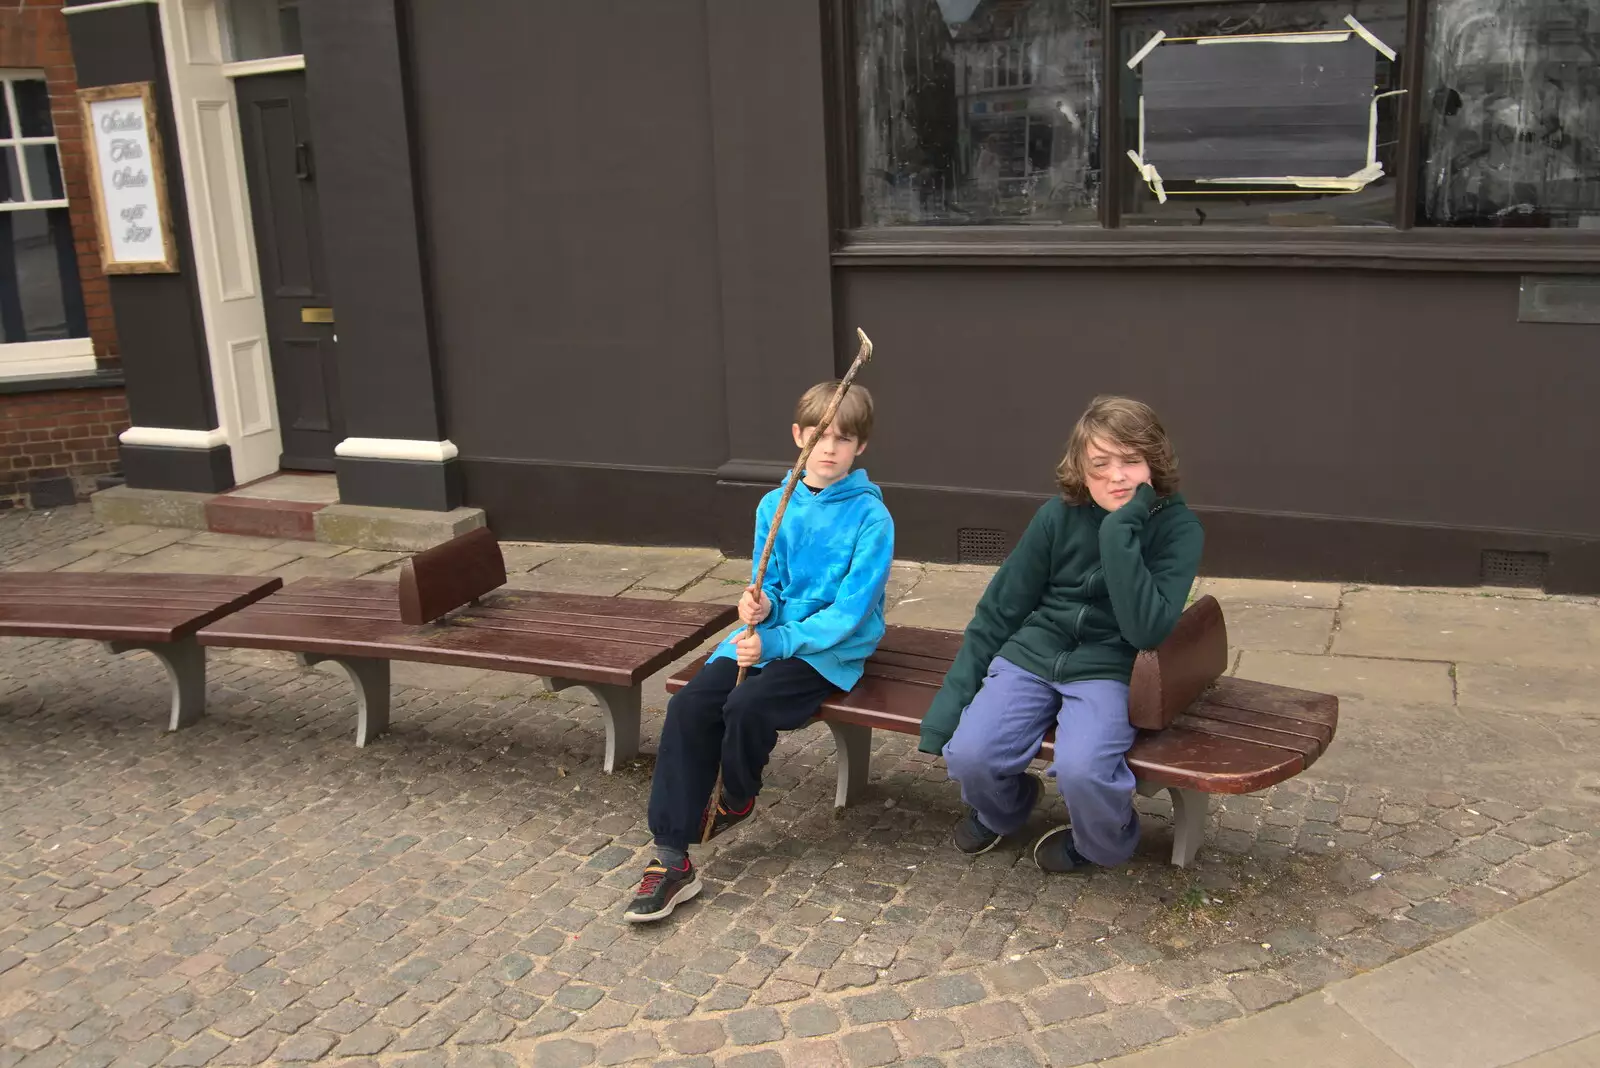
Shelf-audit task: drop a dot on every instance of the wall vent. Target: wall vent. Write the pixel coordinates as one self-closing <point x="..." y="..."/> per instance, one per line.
<point x="980" y="545"/>
<point x="1503" y="567"/>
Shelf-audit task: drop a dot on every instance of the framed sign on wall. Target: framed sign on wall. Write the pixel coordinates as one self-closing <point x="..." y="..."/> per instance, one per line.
<point x="128" y="179"/>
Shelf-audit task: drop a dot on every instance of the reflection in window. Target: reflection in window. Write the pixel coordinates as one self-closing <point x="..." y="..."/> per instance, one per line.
<point x="262" y="29"/>
<point x="1283" y="114"/>
<point x="978" y="111"/>
<point x="40" y="299"/>
<point x="1511" y="114"/>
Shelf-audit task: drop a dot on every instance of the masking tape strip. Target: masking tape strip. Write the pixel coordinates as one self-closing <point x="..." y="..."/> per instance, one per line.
<point x="1369" y="37"/>
<point x="1149" y="46"/>
<point x="1319" y="37"/>
<point x="1151" y="176"/>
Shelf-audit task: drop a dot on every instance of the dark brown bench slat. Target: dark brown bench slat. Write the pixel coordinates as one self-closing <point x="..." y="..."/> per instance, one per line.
<point x="904" y="674"/>
<point x="325" y="611"/>
<point x="939" y="664"/>
<point x="1253" y="696"/>
<point x="1197" y="721"/>
<point x="1304" y="728"/>
<point x="919" y="641"/>
<point x="693" y="613"/>
<point x="491" y="609"/>
<point x="103" y="623"/>
<point x="1205" y="762"/>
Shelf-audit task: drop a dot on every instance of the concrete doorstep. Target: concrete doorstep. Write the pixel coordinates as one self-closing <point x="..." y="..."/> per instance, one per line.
<point x="1522" y="989"/>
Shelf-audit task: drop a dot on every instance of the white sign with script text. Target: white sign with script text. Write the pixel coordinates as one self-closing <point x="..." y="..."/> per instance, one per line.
<point x="129" y="180"/>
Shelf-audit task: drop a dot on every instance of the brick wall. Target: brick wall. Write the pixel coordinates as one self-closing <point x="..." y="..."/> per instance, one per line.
<point x="54" y="445"/>
<point x="60" y="441"/>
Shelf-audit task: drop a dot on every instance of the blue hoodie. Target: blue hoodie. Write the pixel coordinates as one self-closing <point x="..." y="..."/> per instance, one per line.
<point x="825" y="580"/>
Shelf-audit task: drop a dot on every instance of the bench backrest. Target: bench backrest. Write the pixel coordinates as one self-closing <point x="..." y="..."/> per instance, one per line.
<point x="1171" y="677"/>
<point x="445" y="577"/>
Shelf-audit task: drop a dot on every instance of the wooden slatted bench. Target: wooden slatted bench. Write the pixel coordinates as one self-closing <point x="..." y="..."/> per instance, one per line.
<point x="449" y="609"/>
<point x="157" y="614"/>
<point x="1201" y="733"/>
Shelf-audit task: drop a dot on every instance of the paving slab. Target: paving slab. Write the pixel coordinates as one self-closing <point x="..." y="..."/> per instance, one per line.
<point x="1552" y="691"/>
<point x="111" y="537"/>
<point x="1311" y="1032"/>
<point x="346" y="564"/>
<point x="55" y="558"/>
<point x="1584" y="1053"/>
<point x="1470" y="629"/>
<point x="1234" y="591"/>
<point x="1353" y="678"/>
<point x="1566" y="921"/>
<point x="101" y="561"/>
<point x="201" y="560"/>
<point x="609" y="569"/>
<point x="1481" y="999"/>
<point x="1278" y="629"/>
<point x="1433" y="747"/>
<point x="944" y="599"/>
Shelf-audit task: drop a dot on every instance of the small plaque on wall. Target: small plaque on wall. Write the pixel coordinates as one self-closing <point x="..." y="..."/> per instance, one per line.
<point x="128" y="179"/>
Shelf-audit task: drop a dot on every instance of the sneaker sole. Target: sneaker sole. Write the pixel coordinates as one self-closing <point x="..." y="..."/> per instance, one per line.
<point x="1043" y="838"/>
<point x="1038" y="795"/>
<point x="690" y="890"/>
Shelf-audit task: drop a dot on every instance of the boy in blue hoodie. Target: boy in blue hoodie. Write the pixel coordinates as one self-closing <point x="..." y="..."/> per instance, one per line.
<point x="818" y="616"/>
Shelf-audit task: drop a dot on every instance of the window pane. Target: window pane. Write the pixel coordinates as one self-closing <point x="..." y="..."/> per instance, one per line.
<point x="44" y="172"/>
<point x="10" y="180"/>
<point x="260" y="29"/>
<point x="978" y="113"/>
<point x="1511" y="114"/>
<point x="5" y="114"/>
<point x="1289" y="127"/>
<point x="33" y="108"/>
<point x="39" y="295"/>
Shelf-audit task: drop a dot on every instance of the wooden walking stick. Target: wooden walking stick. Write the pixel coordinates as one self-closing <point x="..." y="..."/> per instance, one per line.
<point x="862" y="356"/>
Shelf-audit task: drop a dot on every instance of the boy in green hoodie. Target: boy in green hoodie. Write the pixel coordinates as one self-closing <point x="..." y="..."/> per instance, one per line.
<point x="1101" y="572"/>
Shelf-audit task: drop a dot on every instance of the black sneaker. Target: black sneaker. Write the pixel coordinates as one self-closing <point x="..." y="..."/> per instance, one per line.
<point x="1055" y="852"/>
<point x="972" y="837"/>
<point x="662" y="889"/>
<point x="723" y="818"/>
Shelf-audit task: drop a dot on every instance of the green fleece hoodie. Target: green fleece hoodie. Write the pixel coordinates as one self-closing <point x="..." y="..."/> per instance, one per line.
<point x="1077" y="598"/>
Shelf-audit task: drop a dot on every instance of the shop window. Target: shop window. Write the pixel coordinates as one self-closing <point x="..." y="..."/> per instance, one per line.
<point x="262" y="29"/>
<point x="1511" y="114"/>
<point x="1277" y="114"/>
<point x="42" y="323"/>
<point x="978" y="113"/>
<point x="1234" y="114"/>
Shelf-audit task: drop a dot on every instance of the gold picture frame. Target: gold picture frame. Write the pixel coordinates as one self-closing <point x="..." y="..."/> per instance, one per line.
<point x="140" y="98"/>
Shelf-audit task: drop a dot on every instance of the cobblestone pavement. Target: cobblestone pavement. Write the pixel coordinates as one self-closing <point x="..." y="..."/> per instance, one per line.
<point x="255" y="889"/>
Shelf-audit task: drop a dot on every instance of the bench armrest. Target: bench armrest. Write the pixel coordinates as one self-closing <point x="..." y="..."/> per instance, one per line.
<point x="439" y="580"/>
<point x="1171" y="677"/>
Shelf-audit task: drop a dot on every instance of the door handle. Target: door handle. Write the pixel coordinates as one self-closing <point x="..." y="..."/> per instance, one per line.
<point x="302" y="161"/>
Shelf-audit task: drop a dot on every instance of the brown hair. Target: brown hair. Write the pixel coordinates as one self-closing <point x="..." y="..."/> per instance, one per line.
<point x="1121" y="421"/>
<point x="854" y="417"/>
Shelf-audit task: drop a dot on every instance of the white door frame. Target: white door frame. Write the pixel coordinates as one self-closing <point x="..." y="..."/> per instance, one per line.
<point x="222" y="233"/>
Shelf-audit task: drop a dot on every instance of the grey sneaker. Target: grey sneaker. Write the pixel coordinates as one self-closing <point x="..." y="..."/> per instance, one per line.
<point x="973" y="838"/>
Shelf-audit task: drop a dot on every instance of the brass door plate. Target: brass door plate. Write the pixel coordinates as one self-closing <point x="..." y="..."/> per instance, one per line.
<point x="316" y="315"/>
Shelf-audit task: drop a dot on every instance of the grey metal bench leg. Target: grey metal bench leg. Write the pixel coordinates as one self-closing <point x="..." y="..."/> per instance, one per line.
<point x="1189" y="811"/>
<point x="622" y="706"/>
<point x="370" y="678"/>
<point x="853" y="745"/>
<point x="185" y="661"/>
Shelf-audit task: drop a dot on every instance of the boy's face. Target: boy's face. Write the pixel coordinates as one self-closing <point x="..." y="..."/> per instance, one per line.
<point x="1113" y="472"/>
<point x="831" y="460"/>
